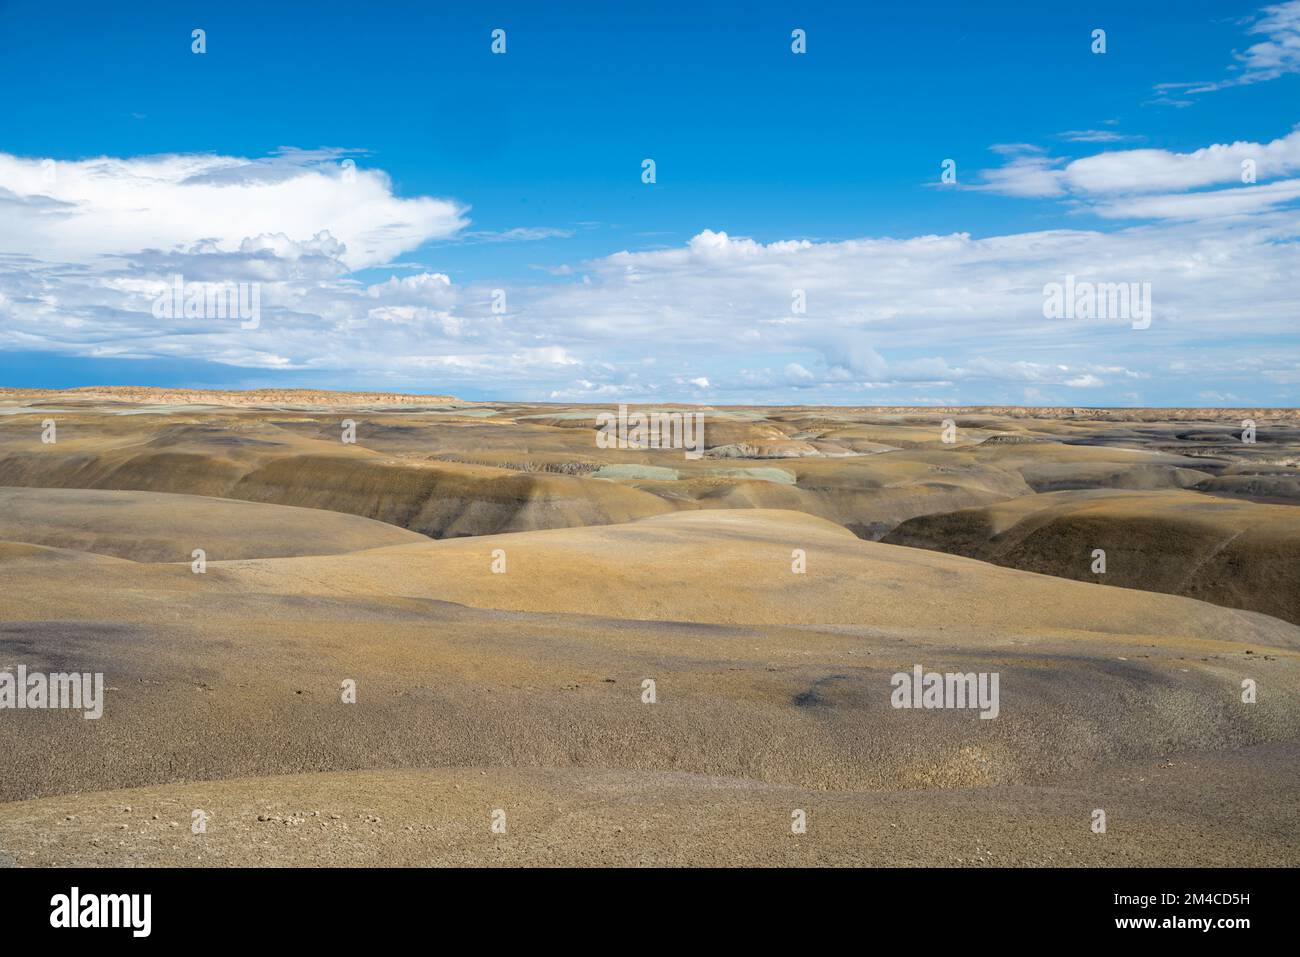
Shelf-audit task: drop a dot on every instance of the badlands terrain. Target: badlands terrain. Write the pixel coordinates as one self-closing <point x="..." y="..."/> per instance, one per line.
<point x="499" y="590"/>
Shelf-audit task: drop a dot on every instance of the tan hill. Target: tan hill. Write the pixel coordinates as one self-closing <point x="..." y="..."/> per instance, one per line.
<point x="760" y="673"/>
<point x="736" y="567"/>
<point x="1235" y="553"/>
<point x="155" y="527"/>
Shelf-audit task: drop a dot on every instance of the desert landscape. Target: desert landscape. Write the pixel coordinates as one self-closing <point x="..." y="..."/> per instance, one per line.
<point x="560" y="653"/>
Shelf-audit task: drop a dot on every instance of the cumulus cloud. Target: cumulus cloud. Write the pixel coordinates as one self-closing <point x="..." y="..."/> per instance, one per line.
<point x="79" y="211"/>
<point x="934" y="317"/>
<point x="1086" y="381"/>
<point x="423" y="287"/>
<point x="972" y="308"/>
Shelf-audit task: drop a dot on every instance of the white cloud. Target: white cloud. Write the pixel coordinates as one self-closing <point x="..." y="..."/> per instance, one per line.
<point x="797" y="373"/>
<point x="1205" y="204"/>
<point x="1086" y="381"/>
<point x="1276" y="55"/>
<point x="1096" y="136"/>
<point x="943" y="317"/>
<point x="78" y="211"/>
<point x="423" y="287"/>
<point x="1149" y="170"/>
<point x="1029" y="176"/>
<point x="519" y="234"/>
<point x="282" y="247"/>
<point x="1143" y="170"/>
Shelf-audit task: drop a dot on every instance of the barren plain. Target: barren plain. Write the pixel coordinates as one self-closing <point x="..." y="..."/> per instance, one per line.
<point x="499" y="589"/>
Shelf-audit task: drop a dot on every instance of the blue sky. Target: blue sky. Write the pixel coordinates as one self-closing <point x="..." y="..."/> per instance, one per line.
<point x="774" y="172"/>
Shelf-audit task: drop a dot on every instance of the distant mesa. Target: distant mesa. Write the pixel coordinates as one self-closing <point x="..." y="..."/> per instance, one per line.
<point x="232" y="397"/>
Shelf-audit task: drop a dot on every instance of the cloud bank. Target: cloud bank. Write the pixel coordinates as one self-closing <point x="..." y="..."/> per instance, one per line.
<point x="88" y="246"/>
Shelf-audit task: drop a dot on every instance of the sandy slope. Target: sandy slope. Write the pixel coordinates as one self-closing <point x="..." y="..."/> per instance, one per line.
<point x="236" y="673"/>
<point x="736" y="566"/>
<point x="157" y="527"/>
